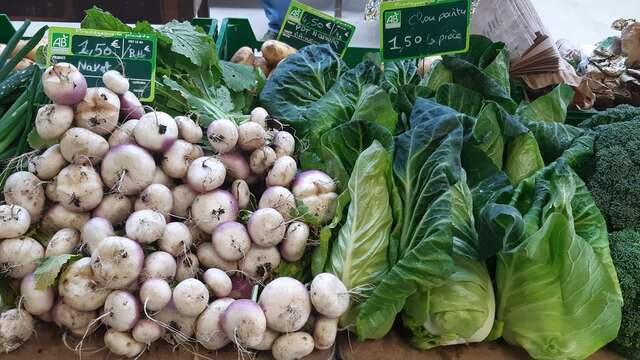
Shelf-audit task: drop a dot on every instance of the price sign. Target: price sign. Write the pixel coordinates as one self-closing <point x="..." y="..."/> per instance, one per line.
<point x="95" y="52"/>
<point x="412" y="29"/>
<point x="305" y="25"/>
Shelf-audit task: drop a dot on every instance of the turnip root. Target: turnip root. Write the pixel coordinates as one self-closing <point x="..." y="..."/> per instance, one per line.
<point x="286" y="305"/>
<point x="176" y="160"/>
<point x="279" y="198"/>
<point x="231" y="240"/>
<point x="206" y="174"/>
<point x="190" y="297"/>
<point x="53" y="120"/>
<point x="241" y="287"/>
<point x="316" y="190"/>
<point x="266" y="227"/>
<point x="82" y="146"/>
<point x="14" y="221"/>
<point x="79" y="188"/>
<point x="128" y="169"/>
<point x="155" y="294"/>
<point x="209" y="331"/>
<point x="117" y="261"/>
<point x="78" y="288"/>
<point x="275" y="51"/>
<point x="188" y="267"/>
<point x="268" y="339"/>
<point x="283" y="172"/>
<point x="98" y="111"/>
<point x="58" y="217"/>
<point x="50" y="191"/>
<point x="188" y="129"/>
<point x="36" y="302"/>
<point x="260" y="262"/>
<point x="145" y="226"/>
<point x="122" y="344"/>
<point x="262" y="159"/>
<point x="176" y="239"/>
<point x="251" y="136"/>
<point x="213" y="208"/>
<point x="130" y="106"/>
<point x="47" y="165"/>
<point x="156" y="131"/>
<point x="159" y="177"/>
<point x="197" y="152"/>
<point x="65" y="316"/>
<point x="259" y="116"/>
<point x="155" y="197"/>
<point x="209" y="258"/>
<point x="329" y="296"/>
<point x="295" y="241"/>
<point x="115" y="82"/>
<point x="146" y="332"/>
<point x="182" y="327"/>
<point x="25" y="189"/>
<point x="115" y="208"/>
<point x="64" y="84"/>
<point x="284" y="143"/>
<point x="240" y="191"/>
<point x="183" y="197"/>
<point x="16" y="327"/>
<point x="94" y="231"/>
<point x="161" y="265"/>
<point x="222" y="135"/>
<point x="244" y="56"/>
<point x="19" y="256"/>
<point x="123" y="310"/>
<point x="218" y="282"/>
<point x="236" y="165"/>
<point x="64" y="241"/>
<point x="123" y="134"/>
<point x="244" y="323"/>
<point x="324" y="332"/>
<point x="292" y="346"/>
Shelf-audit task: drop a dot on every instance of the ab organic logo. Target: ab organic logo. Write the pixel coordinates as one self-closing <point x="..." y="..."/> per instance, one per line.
<point x="392" y="19"/>
<point x="60" y="41"/>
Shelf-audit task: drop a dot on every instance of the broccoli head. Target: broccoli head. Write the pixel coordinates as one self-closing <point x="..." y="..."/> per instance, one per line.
<point x="620" y="113"/>
<point x="613" y="179"/>
<point x="625" y="252"/>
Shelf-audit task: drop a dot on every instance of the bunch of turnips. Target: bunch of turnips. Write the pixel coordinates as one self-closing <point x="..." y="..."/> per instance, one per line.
<point x="153" y="232"/>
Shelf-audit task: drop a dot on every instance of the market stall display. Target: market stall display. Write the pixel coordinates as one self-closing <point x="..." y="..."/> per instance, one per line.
<point x="281" y="201"/>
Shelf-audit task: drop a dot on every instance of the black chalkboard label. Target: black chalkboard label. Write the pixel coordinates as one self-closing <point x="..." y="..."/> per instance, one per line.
<point x="305" y="25"/>
<point x="413" y="29"/>
<point x="95" y="52"/>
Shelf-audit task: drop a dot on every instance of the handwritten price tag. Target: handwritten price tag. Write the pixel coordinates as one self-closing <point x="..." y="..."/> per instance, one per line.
<point x="413" y="29"/>
<point x="95" y="52"/>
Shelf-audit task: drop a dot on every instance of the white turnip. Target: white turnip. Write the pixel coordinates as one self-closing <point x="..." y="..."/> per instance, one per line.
<point x="117" y="261"/>
<point x="123" y="310"/>
<point x="36" y="302"/>
<point x="159" y="177"/>
<point x="251" y="136"/>
<point x="145" y="226"/>
<point x="236" y="165"/>
<point x="244" y="323"/>
<point x="19" y="256"/>
<point x="266" y="227"/>
<point x="260" y="262"/>
<point x="67" y="317"/>
<point x="206" y="174"/>
<point x="128" y="169"/>
<point x="222" y="135"/>
<point x="231" y="240"/>
<point x="324" y="332"/>
<point x="155" y="197"/>
<point x="188" y="267"/>
<point x="14" y="221"/>
<point x="161" y="265"/>
<point x="190" y="297"/>
<point x="176" y="160"/>
<point x="48" y="164"/>
<point x="295" y="241"/>
<point x="284" y="143"/>
<point x="123" y="134"/>
<point x="16" y="327"/>
<point x="50" y="191"/>
<point x="115" y="82"/>
<point x="94" y="231"/>
<point x="240" y="191"/>
<point x="156" y="131"/>
<point x="268" y="339"/>
<point x="209" y="331"/>
<point x="316" y="190"/>
<point x="98" y="111"/>
<point x="130" y="106"/>
<point x="24" y="189"/>
<point x="122" y="344"/>
<point x="53" y="120"/>
<point x="78" y="287"/>
<point x="286" y="304"/>
<point x="262" y="159"/>
<point x="58" y="217"/>
<point x="115" y="208"/>
<point x="241" y="287"/>
<point x="259" y="116"/>
<point x="176" y="239"/>
<point x="64" y="84"/>
<point x="183" y="197"/>
<point x="188" y="129"/>
<point x="292" y="346"/>
<point x="329" y="296"/>
<point x="213" y="208"/>
<point x="79" y="188"/>
<point x="209" y="258"/>
<point x="279" y="198"/>
<point x="64" y="241"/>
<point x="146" y="332"/>
<point x="82" y="146"/>
<point x="182" y="327"/>
<point x="155" y="294"/>
<point x="218" y="282"/>
<point x="197" y="152"/>
<point x="282" y="172"/>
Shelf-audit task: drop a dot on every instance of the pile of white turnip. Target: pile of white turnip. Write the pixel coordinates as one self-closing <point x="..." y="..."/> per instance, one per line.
<point x="170" y="240"/>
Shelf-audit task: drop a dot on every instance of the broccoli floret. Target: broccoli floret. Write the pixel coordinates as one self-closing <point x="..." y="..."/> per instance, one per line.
<point x="625" y="252"/>
<point x="613" y="178"/>
<point x="614" y="115"/>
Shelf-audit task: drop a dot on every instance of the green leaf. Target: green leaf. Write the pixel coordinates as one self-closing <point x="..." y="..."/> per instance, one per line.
<point x="523" y="158"/>
<point x="398" y="74"/>
<point x="217" y="104"/>
<point x="49" y="268"/>
<point x="488" y="133"/>
<point x="238" y="77"/>
<point x="7" y="295"/>
<point x="189" y="42"/>
<point x="459" y="98"/>
<point x="553" y="138"/>
<point x="437" y="76"/>
<point x="498" y="69"/>
<point x="321" y="253"/>
<point x="551" y="107"/>
<point x="96" y="18"/>
<point x="38" y="143"/>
